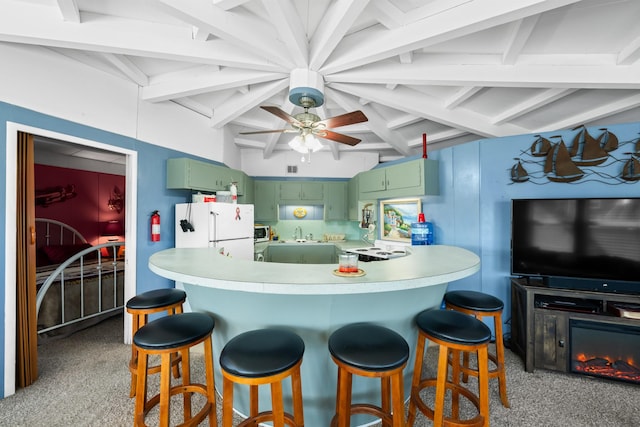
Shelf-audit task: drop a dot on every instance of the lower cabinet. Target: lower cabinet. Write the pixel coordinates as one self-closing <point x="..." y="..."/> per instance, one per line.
<point x="301" y="254"/>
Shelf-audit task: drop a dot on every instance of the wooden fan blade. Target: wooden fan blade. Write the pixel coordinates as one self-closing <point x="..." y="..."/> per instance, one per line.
<point x="343" y="120"/>
<point x="283" y="115"/>
<point x="338" y="137"/>
<point x="266" y="131"/>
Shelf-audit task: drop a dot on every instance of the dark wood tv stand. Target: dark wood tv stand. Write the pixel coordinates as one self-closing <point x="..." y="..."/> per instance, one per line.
<point x="540" y="320"/>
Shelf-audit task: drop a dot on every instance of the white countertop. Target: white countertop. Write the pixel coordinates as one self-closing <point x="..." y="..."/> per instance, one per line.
<point x="425" y="266"/>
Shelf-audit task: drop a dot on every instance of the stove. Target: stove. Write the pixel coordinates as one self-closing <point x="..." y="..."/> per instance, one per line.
<point x="377" y="253"/>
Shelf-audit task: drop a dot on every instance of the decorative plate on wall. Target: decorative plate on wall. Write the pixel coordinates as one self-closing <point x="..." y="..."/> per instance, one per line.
<point x="299" y="212"/>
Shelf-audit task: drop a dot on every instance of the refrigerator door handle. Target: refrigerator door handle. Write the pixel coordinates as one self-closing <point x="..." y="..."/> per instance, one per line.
<point x="213" y="220"/>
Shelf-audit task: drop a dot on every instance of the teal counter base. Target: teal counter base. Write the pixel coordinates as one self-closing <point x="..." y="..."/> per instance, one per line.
<point x="311" y="301"/>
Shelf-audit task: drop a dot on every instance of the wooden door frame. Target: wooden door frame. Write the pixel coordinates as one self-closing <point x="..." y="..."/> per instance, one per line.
<point x="131" y="185"/>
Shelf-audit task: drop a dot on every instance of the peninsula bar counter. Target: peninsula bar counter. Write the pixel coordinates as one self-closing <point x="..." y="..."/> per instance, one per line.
<point x="310" y="300"/>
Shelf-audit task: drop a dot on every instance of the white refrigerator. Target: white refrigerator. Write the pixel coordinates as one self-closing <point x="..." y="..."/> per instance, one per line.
<point x="226" y="226"/>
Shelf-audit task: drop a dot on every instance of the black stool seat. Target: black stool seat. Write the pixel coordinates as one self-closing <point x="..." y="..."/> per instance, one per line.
<point x="156" y="298"/>
<point x="174" y="331"/>
<point x="369" y="347"/>
<point x="453" y="327"/>
<point x="472" y="300"/>
<point x="279" y="351"/>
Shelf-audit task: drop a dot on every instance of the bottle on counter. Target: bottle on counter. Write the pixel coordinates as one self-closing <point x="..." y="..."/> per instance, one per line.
<point x="421" y="232"/>
<point x="233" y="188"/>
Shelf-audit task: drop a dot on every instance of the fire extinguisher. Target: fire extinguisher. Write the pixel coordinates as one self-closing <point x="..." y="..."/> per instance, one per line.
<point x="155" y="226"/>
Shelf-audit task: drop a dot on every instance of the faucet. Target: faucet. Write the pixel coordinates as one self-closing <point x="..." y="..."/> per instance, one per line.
<point x="295" y="235"/>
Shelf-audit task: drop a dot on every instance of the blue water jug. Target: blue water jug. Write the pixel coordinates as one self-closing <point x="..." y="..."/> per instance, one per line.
<point x="421" y="233"/>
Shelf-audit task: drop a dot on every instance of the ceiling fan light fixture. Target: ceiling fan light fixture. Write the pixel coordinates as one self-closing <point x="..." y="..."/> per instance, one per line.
<point x="305" y="143"/>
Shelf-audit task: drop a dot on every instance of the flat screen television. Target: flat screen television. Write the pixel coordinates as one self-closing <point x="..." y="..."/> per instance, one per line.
<point x="586" y="244"/>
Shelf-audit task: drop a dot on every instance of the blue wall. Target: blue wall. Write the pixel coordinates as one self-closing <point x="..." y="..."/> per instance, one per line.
<point x="151" y="192"/>
<point x="474" y="208"/>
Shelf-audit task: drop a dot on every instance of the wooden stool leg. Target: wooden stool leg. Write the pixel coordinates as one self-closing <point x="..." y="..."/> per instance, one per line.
<point x="344" y="403"/>
<point x="139" y="320"/>
<point x="276" y="404"/>
<point x="176" y="367"/>
<point x="186" y="379"/>
<point x="466" y="365"/>
<point x="417" y="375"/>
<point x="253" y="397"/>
<point x="165" y="385"/>
<point x="141" y="389"/>
<point x="296" y="390"/>
<point x="483" y="384"/>
<point x="455" y="379"/>
<point x="441" y="378"/>
<point x="211" y="389"/>
<point x="502" y="378"/>
<point x="227" y="402"/>
<point x="397" y="391"/>
<point x="385" y="398"/>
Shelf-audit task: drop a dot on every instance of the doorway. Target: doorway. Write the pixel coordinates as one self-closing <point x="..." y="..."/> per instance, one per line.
<point x="131" y="174"/>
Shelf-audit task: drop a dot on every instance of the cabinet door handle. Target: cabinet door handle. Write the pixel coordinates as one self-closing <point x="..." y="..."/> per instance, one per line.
<point x="561" y="343"/>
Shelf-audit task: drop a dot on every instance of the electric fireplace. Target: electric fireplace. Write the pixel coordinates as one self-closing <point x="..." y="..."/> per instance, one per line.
<point x="605" y="350"/>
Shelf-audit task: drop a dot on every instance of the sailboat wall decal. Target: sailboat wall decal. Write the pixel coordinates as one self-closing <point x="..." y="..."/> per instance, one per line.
<point x="608" y="141"/>
<point x="631" y="169"/>
<point x="559" y="167"/>
<point x="540" y="146"/>
<point x="602" y="158"/>
<point x="519" y="173"/>
<point x="586" y="150"/>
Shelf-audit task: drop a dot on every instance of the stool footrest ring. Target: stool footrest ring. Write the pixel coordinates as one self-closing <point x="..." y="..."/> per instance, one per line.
<point x="366" y="409"/>
<point x="477" y="421"/>
<point x="266" y="416"/>
<point x="182" y="389"/>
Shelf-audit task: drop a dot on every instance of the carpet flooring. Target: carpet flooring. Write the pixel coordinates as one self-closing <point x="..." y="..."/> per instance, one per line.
<point x="84" y="381"/>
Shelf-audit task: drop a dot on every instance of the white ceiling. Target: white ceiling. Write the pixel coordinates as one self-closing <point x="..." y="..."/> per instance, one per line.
<point x="457" y="70"/>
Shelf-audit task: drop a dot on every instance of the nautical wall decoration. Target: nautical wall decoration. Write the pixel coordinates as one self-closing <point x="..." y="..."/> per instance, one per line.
<point x="585" y="159"/>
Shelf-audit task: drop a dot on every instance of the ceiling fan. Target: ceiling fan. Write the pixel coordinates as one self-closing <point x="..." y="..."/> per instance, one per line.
<point x="307" y="125"/>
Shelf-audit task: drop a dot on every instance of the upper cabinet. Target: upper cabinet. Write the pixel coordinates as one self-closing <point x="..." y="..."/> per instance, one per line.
<point x="308" y="191"/>
<point x="264" y="198"/>
<point x="414" y="178"/>
<point x="352" y="199"/>
<point x="335" y="205"/>
<point x="190" y="174"/>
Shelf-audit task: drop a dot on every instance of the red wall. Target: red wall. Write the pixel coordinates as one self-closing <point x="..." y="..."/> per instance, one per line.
<point x="88" y="210"/>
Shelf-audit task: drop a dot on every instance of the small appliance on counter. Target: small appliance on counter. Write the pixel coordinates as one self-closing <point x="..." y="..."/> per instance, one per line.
<point x="261" y="233"/>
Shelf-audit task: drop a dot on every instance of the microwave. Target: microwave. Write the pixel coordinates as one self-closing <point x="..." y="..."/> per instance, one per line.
<point x="261" y="233"/>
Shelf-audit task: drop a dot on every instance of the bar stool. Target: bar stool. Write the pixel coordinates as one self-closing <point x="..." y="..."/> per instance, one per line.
<point x="454" y="332"/>
<point x="482" y="305"/>
<point x="140" y="307"/>
<point x="370" y="351"/>
<point x="164" y="337"/>
<point x="263" y="356"/>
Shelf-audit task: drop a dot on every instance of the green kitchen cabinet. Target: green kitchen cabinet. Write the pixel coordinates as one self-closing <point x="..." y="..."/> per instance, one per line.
<point x="352" y="199"/>
<point x="301" y="253"/>
<point x="372" y="181"/>
<point x="295" y="192"/>
<point x="408" y="179"/>
<point x="190" y="174"/>
<point x="266" y="205"/>
<point x="335" y="203"/>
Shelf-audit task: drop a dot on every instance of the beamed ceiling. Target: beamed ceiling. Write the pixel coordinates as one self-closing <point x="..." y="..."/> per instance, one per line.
<point x="457" y="70"/>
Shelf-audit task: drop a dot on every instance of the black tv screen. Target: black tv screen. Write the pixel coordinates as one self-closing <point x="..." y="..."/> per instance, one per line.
<point x="596" y="241"/>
